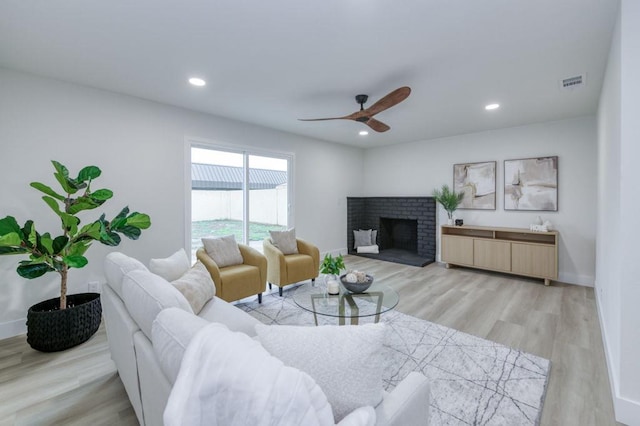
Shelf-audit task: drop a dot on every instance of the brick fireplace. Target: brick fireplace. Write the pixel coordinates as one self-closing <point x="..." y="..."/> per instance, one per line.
<point x="406" y="227"/>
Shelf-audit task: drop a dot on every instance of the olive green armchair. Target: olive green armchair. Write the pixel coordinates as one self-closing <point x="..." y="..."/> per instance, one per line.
<point x="238" y="281"/>
<point x="283" y="270"/>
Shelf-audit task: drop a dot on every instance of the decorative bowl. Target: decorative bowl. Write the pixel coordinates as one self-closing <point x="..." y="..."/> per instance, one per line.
<point x="356" y="287"/>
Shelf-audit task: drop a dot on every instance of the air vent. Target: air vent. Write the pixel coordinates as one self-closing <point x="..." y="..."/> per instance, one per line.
<point x="572" y="83"/>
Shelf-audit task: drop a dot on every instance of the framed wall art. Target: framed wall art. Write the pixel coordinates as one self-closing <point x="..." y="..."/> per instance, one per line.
<point x="531" y="184"/>
<point x="478" y="183"/>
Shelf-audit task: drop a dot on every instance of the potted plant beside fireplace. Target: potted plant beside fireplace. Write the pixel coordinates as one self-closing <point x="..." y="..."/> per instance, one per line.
<point x="449" y="199"/>
<point x="66" y="321"/>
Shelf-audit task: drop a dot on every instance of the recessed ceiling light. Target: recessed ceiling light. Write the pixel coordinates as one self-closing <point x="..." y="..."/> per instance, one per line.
<point x="197" y="81"/>
<point x="492" y="106"/>
<point x="363" y="133"/>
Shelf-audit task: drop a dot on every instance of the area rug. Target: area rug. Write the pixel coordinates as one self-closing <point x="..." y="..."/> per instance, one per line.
<point x="473" y="381"/>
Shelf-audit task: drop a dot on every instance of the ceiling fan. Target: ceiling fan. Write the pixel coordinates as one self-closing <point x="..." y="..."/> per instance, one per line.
<point x="366" y="115"/>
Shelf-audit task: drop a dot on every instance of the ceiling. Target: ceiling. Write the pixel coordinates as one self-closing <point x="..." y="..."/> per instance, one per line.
<point x="272" y="62"/>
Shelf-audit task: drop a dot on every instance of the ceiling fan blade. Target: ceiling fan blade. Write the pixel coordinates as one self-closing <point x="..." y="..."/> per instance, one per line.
<point x="388" y="101"/>
<point x="321" y="119"/>
<point x="376" y="125"/>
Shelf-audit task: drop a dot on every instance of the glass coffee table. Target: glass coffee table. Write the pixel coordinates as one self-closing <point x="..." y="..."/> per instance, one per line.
<point x="378" y="299"/>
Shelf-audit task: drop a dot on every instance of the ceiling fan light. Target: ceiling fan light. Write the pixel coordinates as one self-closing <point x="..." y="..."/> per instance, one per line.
<point x="363" y="133"/>
<point x="492" y="106"/>
<point x="197" y="81"/>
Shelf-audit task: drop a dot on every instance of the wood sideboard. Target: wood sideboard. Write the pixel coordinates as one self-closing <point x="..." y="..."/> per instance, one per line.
<point x="512" y="250"/>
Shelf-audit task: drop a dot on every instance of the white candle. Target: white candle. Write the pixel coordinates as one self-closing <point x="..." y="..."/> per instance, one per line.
<point x="333" y="287"/>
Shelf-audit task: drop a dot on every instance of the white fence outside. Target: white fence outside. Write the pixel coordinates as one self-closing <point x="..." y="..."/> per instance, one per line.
<point x="267" y="205"/>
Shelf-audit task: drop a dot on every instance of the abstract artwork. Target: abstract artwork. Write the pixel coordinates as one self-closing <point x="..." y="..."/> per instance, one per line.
<point x="531" y="184"/>
<point x="478" y="183"/>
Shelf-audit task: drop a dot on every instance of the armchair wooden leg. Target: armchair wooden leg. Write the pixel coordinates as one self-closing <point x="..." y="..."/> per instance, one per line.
<point x="269" y="286"/>
<point x="313" y="281"/>
<point x="280" y="291"/>
<point x="259" y="297"/>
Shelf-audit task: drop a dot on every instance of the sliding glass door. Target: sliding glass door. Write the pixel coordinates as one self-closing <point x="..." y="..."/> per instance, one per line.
<point x="238" y="192"/>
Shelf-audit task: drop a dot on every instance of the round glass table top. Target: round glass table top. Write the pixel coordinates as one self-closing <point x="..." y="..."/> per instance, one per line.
<point x="379" y="298"/>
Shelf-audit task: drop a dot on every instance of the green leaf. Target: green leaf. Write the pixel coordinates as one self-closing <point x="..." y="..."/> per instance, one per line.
<point x="139" y="220"/>
<point x="92" y="230"/>
<point x="75" y="261"/>
<point x="102" y="194"/>
<point x="59" y="243"/>
<point x="11" y="240"/>
<point x="47" y="190"/>
<point x="110" y="239"/>
<point x="70" y="223"/>
<point x="31" y="271"/>
<point x="12" y="250"/>
<point x="33" y="236"/>
<point x="79" y="248"/>
<point x="60" y="169"/>
<point x="9" y="225"/>
<point x="47" y="243"/>
<point x="82" y="203"/>
<point x="53" y="204"/>
<point x="88" y="173"/>
<point x="130" y="232"/>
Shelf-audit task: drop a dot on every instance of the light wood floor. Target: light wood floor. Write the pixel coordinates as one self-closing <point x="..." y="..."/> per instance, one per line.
<point x="81" y="387"/>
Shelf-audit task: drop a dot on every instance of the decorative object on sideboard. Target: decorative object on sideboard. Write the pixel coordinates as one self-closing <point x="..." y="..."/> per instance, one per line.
<point x="539" y="226"/>
<point x="459" y="222"/>
<point x="477" y="181"/>
<point x="531" y="184"/>
<point x="449" y="199"/>
<point x="64" y="322"/>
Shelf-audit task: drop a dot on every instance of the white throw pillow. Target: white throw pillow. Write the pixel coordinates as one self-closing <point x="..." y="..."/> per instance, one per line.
<point x="171" y="268"/>
<point x="345" y="361"/>
<point x="223" y="250"/>
<point x="285" y="241"/>
<point x="361" y="238"/>
<point x="196" y="286"/>
<point x="147" y="294"/>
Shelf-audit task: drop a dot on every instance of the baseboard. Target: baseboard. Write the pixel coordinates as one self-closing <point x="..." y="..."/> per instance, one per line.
<point x="626" y="411"/>
<point x="583" y="280"/>
<point x="13" y="328"/>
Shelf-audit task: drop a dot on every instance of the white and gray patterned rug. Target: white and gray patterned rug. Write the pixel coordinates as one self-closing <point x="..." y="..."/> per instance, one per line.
<point x="473" y="381"/>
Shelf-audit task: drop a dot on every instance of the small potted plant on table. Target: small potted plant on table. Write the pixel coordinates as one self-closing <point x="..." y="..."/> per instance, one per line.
<point x="60" y="323"/>
<point x="331" y="267"/>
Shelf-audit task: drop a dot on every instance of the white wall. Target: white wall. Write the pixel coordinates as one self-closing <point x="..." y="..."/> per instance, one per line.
<point x="618" y="269"/>
<point x="417" y="168"/>
<point x="140" y="147"/>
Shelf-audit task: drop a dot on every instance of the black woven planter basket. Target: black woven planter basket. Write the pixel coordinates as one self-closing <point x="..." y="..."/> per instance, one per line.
<point x="50" y="329"/>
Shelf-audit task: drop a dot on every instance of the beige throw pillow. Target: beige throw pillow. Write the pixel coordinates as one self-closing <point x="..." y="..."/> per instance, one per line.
<point x="223" y="250"/>
<point x="285" y="241"/>
<point x="196" y="286"/>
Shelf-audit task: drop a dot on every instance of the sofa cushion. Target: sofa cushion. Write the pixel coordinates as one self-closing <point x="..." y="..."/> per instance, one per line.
<point x="172" y="267"/>
<point x="147" y="294"/>
<point x="346" y="361"/>
<point x="196" y="286"/>
<point x="227" y="378"/>
<point x="285" y="241"/>
<point x="116" y="266"/>
<point x="171" y="332"/>
<point x="223" y="250"/>
<point x="218" y="310"/>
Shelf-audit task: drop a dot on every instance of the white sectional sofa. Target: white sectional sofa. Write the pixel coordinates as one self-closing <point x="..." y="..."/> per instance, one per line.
<point x="132" y="299"/>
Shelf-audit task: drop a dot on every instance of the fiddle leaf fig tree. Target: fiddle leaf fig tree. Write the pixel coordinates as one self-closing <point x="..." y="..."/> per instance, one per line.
<point x="60" y="253"/>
